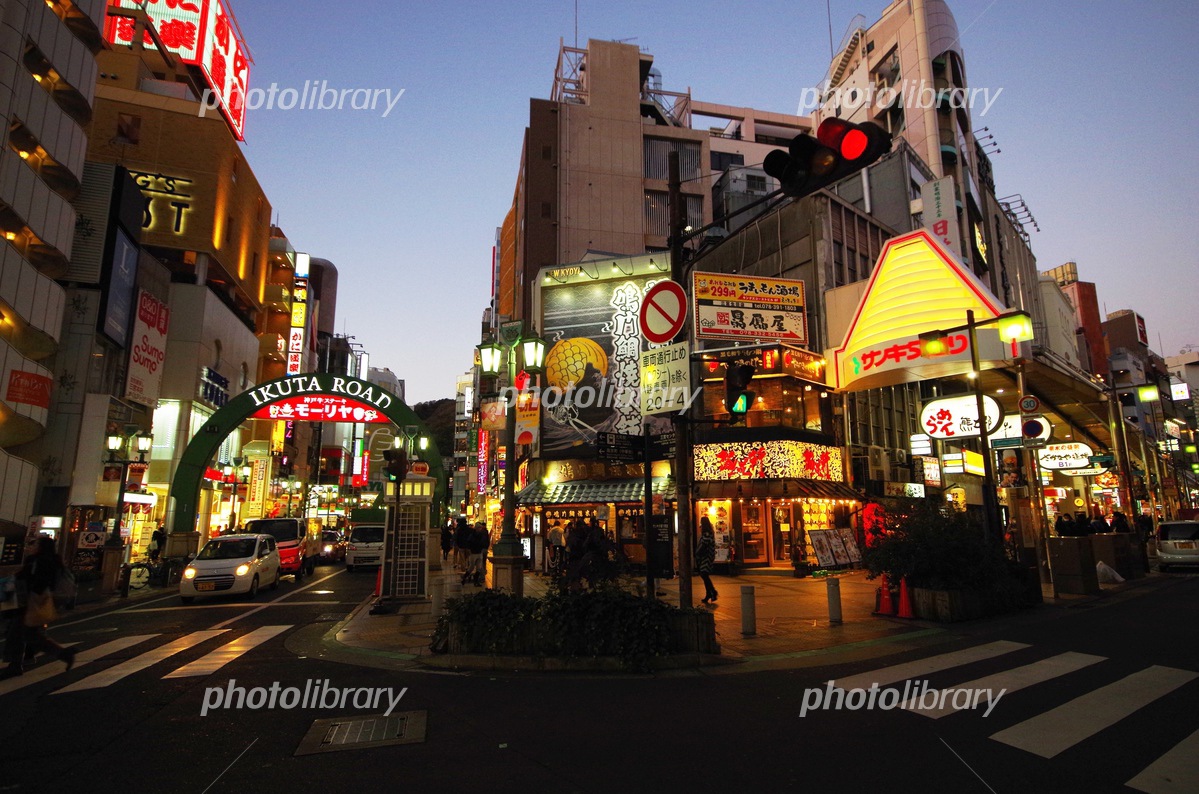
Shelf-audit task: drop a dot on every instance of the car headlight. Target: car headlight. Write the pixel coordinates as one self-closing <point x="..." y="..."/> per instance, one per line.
<point x="243" y="569"/>
<point x="189" y="572"/>
<point x="328" y="549"/>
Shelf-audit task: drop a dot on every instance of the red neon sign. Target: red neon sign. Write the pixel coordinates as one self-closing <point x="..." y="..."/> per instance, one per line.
<point x="320" y="408"/>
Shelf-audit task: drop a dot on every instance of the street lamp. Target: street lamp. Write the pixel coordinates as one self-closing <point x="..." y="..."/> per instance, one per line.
<point x="244" y="472"/>
<point x="116" y="443"/>
<point x="1013" y="327"/>
<point x="509" y="556"/>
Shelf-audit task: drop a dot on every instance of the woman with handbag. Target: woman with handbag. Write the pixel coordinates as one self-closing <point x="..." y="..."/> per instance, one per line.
<point x="27" y="631"/>
<point x="705" y="557"/>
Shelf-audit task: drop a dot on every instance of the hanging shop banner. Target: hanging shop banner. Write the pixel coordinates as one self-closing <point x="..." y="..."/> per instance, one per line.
<point x="957" y="417"/>
<point x="30" y="388"/>
<point x="665" y="379"/>
<point x="940" y="212"/>
<point x="592" y="380"/>
<point x="734" y="307"/>
<point x="492" y="416"/>
<point x="528" y="418"/>
<point x="148" y="350"/>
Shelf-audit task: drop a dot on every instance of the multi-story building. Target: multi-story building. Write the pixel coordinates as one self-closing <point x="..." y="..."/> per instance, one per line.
<point x="47" y="93"/>
<point x="1088" y="322"/>
<point x="465" y="468"/>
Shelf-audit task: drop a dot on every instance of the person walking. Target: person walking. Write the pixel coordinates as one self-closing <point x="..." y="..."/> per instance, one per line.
<point x="27" y="628"/>
<point x="557" y="541"/>
<point x="447" y="540"/>
<point x="1064" y="526"/>
<point x="476" y="569"/>
<point x="158" y="543"/>
<point x="705" y="557"/>
<point x="462" y="545"/>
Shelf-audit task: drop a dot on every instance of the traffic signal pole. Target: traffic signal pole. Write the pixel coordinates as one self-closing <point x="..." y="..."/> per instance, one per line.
<point x="682" y="425"/>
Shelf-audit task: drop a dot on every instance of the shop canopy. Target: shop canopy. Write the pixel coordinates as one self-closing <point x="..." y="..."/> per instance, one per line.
<point x="774" y="489"/>
<point x="593" y="492"/>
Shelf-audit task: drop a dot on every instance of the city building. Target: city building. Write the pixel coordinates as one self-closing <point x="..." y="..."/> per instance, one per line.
<point x="47" y="93"/>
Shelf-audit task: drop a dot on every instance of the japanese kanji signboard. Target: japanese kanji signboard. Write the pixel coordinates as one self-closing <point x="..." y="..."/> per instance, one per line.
<point x="957" y="417"/>
<point x="665" y="379"/>
<point x="320" y="408"/>
<point x="747" y="307"/>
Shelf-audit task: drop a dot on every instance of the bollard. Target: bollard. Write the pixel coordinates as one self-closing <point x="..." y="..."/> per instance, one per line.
<point x="834" y="599"/>
<point x="437" y="591"/>
<point x="749" y="614"/>
<point x="123" y="580"/>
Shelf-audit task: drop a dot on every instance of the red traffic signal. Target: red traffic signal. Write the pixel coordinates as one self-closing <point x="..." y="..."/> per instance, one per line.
<point x="839" y="149"/>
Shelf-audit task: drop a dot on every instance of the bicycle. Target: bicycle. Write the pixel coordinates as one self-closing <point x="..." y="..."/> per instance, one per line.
<point x="147" y="572"/>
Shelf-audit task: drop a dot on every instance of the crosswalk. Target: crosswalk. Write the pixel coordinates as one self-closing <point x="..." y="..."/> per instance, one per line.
<point x="1060" y="728"/>
<point x="146" y="659"/>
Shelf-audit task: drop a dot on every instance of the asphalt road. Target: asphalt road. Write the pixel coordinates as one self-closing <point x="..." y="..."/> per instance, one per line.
<point x="1097" y="696"/>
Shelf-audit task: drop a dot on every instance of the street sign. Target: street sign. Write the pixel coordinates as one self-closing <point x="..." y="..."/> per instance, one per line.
<point x="665" y="379"/>
<point x="620" y="447"/>
<point x="1036" y="431"/>
<point x="1029" y="404"/>
<point x="663" y="312"/>
<point x="661" y="446"/>
<point x="1101" y="460"/>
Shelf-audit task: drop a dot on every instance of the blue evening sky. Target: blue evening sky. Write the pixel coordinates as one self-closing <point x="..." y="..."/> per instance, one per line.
<point x="1096" y="121"/>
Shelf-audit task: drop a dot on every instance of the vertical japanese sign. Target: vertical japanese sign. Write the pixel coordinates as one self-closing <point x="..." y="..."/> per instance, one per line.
<point x="149" y="350"/>
<point x="226" y="65"/>
<point x="665" y="379"/>
<point x="941" y="213"/>
<point x="733" y="307"/>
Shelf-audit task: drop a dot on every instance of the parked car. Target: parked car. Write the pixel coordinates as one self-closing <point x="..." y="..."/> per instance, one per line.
<point x="365" y="546"/>
<point x="333" y="546"/>
<point x="232" y="564"/>
<point x="298" y="542"/>
<point x="1177" y="544"/>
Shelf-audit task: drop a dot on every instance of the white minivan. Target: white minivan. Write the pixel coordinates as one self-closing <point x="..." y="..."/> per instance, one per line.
<point x="365" y="546"/>
<point x="1177" y="544"/>
<point x="232" y="564"/>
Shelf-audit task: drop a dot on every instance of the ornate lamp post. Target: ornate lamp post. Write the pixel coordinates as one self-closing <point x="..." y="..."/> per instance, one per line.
<point x="509" y="556"/>
<point x="116" y="443"/>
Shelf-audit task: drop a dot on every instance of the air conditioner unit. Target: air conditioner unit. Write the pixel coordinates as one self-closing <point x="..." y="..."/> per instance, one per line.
<point x="899" y="457"/>
<point x="880" y="464"/>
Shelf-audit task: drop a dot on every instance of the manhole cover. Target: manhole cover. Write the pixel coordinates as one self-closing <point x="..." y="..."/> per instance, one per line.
<point x="356" y="733"/>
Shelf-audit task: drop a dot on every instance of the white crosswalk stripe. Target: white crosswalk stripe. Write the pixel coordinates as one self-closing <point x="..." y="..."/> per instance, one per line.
<point x="212" y="662"/>
<point x="1176" y="772"/>
<point x="1009" y="681"/>
<point x="137" y="663"/>
<point x="932" y="664"/>
<point x="50" y="670"/>
<point x="1059" y="729"/>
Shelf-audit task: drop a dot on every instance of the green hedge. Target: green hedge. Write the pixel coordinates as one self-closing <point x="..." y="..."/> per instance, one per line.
<point x="603" y="622"/>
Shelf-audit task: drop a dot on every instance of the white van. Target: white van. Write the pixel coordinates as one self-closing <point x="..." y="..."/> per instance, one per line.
<point x="1177" y="544"/>
<point x="365" y="546"/>
<point x="299" y="542"/>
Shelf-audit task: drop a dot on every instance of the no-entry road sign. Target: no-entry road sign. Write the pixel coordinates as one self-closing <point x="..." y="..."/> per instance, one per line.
<point x="663" y="312"/>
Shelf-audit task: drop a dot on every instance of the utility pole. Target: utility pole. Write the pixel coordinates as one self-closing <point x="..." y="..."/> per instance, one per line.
<point x="682" y="450"/>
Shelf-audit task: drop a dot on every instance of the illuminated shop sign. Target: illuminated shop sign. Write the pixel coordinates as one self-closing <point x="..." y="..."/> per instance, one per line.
<point x="168" y="201"/>
<point x="1066" y="456"/>
<point x="199" y="33"/>
<point x="963" y="462"/>
<point x="214" y="387"/>
<point x="768" y="460"/>
<point x="320" y="408"/>
<point x="741" y="307"/>
<point x="299" y="317"/>
<point x="957" y="417"/>
<point x="767" y="360"/>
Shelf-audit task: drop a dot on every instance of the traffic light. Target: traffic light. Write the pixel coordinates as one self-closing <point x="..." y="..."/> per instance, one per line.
<point x="839" y="149"/>
<point x="737" y="399"/>
<point x="397" y="464"/>
<point x="933" y="344"/>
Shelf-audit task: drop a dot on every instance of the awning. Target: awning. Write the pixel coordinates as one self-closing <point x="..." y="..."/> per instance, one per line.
<point x="1072" y="402"/>
<point x="775" y="489"/>
<point x="593" y="492"/>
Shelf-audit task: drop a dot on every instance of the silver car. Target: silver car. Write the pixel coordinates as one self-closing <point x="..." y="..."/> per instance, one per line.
<point x="1177" y="544"/>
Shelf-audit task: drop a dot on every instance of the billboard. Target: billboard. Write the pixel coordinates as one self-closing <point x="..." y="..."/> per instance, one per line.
<point x="148" y="350"/>
<point x="738" y="308"/>
<point x="199" y="33"/>
<point x="592" y="378"/>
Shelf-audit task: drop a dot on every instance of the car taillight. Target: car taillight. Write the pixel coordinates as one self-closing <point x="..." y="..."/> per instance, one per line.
<point x="351" y="547"/>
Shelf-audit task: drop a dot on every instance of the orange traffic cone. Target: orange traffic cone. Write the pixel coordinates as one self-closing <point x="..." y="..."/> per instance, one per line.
<point x="885" y="607"/>
<point x="905" y="600"/>
<point x="379" y="581"/>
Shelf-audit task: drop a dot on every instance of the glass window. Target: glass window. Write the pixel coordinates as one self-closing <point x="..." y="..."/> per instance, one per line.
<point x="368" y="533"/>
<point x="1187" y="531"/>
<point x="234" y="549"/>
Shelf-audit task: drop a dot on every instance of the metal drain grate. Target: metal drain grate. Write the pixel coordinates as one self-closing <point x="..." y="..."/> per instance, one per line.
<point x="356" y="733"/>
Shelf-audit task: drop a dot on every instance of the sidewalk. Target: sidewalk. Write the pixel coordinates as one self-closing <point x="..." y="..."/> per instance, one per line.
<point x="792" y="626"/>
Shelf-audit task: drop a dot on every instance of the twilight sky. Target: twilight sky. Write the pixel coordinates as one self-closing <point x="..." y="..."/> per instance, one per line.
<point x="1094" y="111"/>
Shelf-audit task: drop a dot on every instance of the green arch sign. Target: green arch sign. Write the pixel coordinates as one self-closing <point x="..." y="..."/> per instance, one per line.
<point x="189" y="475"/>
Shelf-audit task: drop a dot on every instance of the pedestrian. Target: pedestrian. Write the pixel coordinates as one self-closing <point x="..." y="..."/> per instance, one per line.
<point x="1064" y="526"/>
<point x="447" y="540"/>
<point x="462" y="544"/>
<point x="1098" y="526"/>
<point x="557" y="541"/>
<point x="1120" y="522"/>
<point x="476" y="569"/>
<point x="26" y="634"/>
<point x="705" y="557"/>
<point x="158" y="542"/>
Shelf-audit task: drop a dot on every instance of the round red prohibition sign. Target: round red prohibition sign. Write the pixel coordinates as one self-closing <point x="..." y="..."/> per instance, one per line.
<point x="663" y="312"/>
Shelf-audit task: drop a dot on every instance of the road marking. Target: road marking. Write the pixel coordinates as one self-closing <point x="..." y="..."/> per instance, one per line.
<point x="50" y="670"/>
<point x="206" y="665"/>
<point x="235" y="605"/>
<point x="1175" y="772"/>
<point x="1010" y="680"/>
<point x="119" y="671"/>
<point x="931" y="664"/>
<point x="1060" y="729"/>
<point x="272" y="602"/>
